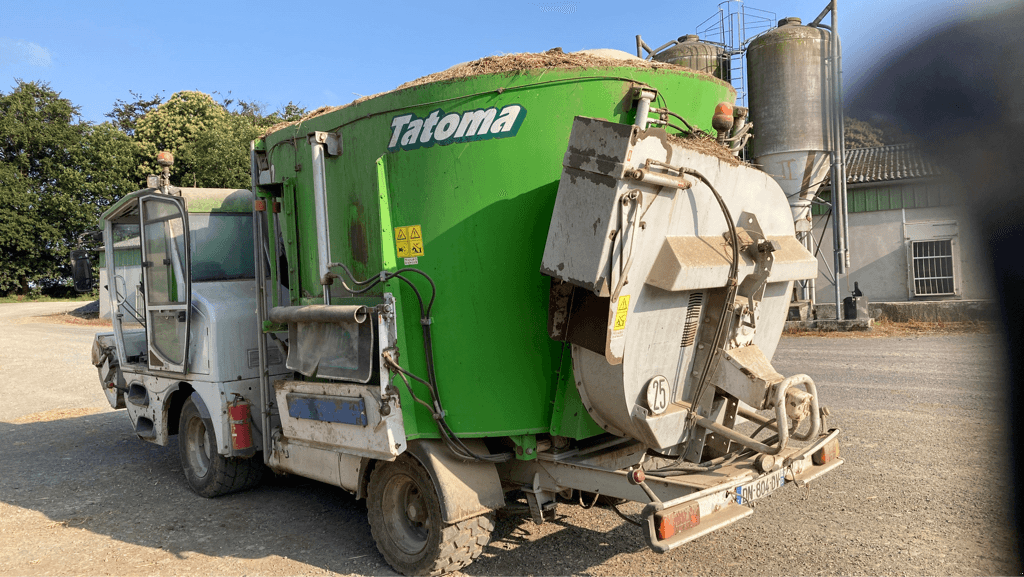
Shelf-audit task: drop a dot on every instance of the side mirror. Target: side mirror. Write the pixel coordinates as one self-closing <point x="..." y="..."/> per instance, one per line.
<point x="81" y="266"/>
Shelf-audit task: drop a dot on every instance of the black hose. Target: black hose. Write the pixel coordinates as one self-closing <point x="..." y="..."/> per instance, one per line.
<point x="437" y="411"/>
<point x="730" y="296"/>
<point x="624" y="517"/>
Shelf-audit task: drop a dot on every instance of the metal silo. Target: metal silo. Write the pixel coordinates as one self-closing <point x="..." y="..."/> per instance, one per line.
<point x="696" y="55"/>
<point x="788" y="82"/>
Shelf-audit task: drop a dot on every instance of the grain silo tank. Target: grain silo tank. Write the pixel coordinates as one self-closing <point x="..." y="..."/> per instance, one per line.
<point x="696" y="55"/>
<point x="788" y="80"/>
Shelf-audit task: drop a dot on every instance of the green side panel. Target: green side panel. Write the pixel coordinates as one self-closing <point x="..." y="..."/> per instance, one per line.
<point x="870" y="200"/>
<point x="916" y="195"/>
<point x="569" y="416"/>
<point x="389" y="260"/>
<point x="895" y="197"/>
<point x="884" y="199"/>
<point x="483" y="205"/>
<point x="857" y="200"/>
<point x="419" y="423"/>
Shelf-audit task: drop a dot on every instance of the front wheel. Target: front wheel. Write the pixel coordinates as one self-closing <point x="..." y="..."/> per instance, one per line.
<point x="404" y="511"/>
<point x="209" y="473"/>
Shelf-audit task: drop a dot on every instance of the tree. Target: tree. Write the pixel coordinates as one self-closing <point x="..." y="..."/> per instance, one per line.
<point x="210" y="143"/>
<point x="57" y="174"/>
<point x="126" y="114"/>
<point x="39" y="210"/>
<point x="174" y="126"/>
<point x="108" y="160"/>
<point x="861" y="134"/>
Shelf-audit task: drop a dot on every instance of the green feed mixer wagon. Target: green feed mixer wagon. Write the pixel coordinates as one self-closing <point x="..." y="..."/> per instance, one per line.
<point x="527" y="279"/>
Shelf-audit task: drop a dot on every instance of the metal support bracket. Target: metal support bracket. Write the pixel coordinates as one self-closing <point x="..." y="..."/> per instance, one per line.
<point x="526" y="446"/>
<point x="335" y="146"/>
<point x="542" y="503"/>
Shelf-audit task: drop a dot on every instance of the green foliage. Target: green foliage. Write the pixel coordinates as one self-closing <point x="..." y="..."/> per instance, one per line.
<point x="58" y="173"/>
<point x="210" y="143"/>
<point x="175" y="126"/>
<point x="861" y="134"/>
<point x="40" y="144"/>
<point x="126" y="114"/>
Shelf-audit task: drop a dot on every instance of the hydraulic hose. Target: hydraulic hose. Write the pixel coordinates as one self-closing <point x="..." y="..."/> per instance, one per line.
<point x="436" y="409"/>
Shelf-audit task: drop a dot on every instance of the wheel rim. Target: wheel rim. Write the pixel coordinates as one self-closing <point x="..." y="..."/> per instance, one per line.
<point x="198" y="448"/>
<point x="406" y="517"/>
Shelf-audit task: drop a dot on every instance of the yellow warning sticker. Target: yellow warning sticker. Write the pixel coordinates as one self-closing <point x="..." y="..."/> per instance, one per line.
<point x="415" y="241"/>
<point x="409" y="241"/>
<point x="621" y="311"/>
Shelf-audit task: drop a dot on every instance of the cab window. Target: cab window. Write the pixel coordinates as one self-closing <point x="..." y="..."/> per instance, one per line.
<point x="221" y="246"/>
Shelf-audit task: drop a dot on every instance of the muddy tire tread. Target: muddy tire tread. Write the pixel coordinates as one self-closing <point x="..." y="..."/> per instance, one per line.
<point x="226" y="474"/>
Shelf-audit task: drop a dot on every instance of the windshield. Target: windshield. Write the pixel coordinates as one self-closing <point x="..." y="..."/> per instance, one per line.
<point x="221" y="246"/>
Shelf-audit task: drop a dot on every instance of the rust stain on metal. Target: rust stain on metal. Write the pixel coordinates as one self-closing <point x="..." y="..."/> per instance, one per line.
<point x="357" y="235"/>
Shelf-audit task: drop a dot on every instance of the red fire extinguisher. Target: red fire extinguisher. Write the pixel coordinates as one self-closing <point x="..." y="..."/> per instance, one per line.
<point x="241" y="426"/>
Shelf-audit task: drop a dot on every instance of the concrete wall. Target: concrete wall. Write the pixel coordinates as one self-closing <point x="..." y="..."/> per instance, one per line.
<point x="878" y="255"/>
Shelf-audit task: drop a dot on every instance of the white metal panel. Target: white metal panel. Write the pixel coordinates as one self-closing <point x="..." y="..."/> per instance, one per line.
<point x="582" y="250"/>
<point x="382" y="437"/>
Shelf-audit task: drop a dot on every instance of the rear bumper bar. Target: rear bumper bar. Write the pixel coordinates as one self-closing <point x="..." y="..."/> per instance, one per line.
<point x="721" y="505"/>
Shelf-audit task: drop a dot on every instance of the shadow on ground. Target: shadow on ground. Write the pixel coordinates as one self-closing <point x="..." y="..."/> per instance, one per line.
<point x="92" y="472"/>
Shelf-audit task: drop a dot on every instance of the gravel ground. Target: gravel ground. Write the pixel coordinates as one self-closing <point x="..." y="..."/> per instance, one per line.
<point x="923" y="490"/>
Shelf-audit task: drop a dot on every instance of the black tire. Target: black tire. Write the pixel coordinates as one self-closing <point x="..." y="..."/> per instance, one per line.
<point x="207" y="472"/>
<point x="405" y="520"/>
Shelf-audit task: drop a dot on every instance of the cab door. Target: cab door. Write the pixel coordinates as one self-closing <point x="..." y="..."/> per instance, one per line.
<point x="168" y="286"/>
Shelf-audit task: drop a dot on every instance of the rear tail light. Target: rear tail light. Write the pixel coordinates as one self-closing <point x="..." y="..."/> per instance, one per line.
<point x="826" y="454"/>
<point x="668" y="523"/>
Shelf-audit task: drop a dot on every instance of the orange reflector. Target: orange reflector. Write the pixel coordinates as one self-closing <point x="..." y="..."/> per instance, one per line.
<point x="830" y="452"/>
<point x="668" y="523"/>
<point x="723" y="108"/>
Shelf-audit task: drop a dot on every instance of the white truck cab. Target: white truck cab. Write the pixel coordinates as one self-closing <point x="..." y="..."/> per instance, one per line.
<point x="181" y="284"/>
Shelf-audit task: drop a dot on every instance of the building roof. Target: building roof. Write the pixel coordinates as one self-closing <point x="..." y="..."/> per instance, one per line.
<point x="885" y="163"/>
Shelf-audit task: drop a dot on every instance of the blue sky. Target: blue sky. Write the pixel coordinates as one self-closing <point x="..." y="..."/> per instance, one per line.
<point x="331" y="52"/>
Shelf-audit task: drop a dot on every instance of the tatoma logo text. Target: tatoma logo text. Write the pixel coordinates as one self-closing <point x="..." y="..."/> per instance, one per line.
<point x="409" y="131"/>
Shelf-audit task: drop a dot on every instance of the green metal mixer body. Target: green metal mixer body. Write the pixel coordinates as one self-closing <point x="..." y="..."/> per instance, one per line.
<point x="481" y="196"/>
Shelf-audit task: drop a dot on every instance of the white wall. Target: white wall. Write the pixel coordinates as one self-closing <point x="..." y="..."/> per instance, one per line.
<point x="878" y="255"/>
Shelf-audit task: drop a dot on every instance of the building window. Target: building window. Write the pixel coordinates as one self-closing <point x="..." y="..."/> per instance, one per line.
<point x="932" y="260"/>
<point x="933" y="267"/>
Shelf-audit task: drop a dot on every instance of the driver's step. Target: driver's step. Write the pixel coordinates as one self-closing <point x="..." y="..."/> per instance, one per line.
<point x="138" y="395"/>
<point x="144" y="428"/>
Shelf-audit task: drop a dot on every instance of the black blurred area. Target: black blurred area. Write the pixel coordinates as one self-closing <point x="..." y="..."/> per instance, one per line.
<point x="960" y="94"/>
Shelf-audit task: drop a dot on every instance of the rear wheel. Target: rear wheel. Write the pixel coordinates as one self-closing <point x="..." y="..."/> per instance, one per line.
<point x="208" y="472"/>
<point x="404" y="511"/>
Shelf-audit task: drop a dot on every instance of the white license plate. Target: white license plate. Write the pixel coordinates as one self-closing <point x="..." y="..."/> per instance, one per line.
<point x="760" y="487"/>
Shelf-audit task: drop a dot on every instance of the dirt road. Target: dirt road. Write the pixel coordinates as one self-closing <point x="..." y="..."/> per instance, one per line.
<point x="922" y="492"/>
